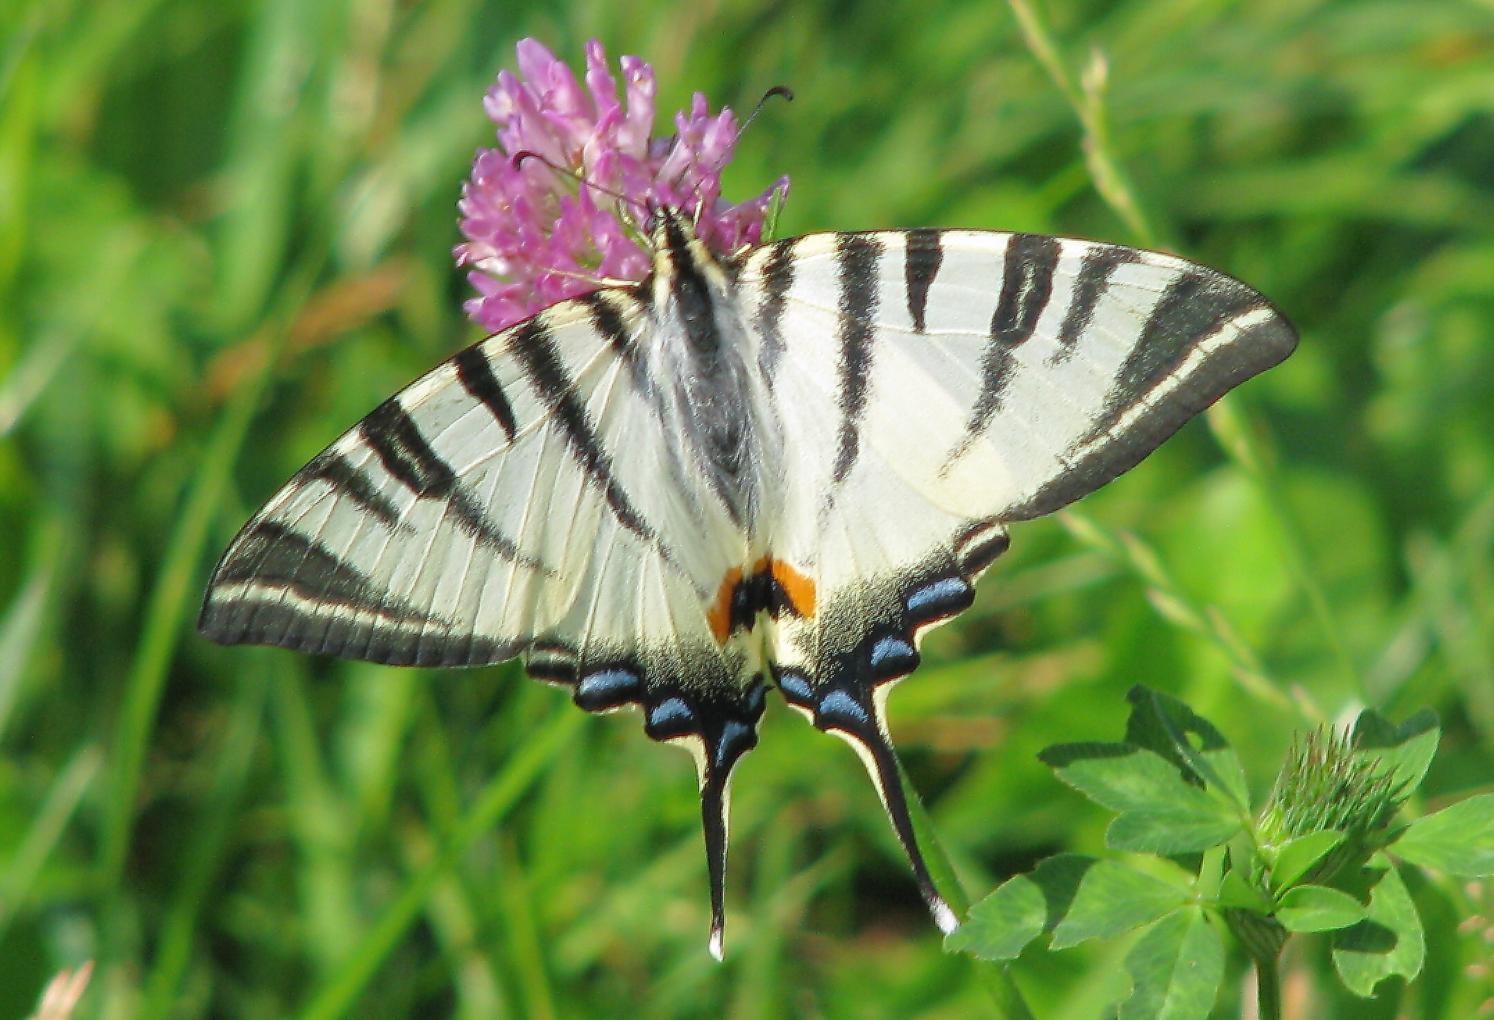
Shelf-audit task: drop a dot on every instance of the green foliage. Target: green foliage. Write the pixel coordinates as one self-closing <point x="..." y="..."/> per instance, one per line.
<point x="1278" y="879"/>
<point x="1458" y="839"/>
<point x="1158" y="811"/>
<point x="1389" y="941"/>
<point x="1072" y="896"/>
<point x="1175" y="968"/>
<point x="1308" y="908"/>
<point x="224" y="236"/>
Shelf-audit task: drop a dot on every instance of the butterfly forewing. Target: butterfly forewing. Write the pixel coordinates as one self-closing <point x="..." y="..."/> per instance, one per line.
<point x="789" y="463"/>
<point x="492" y="503"/>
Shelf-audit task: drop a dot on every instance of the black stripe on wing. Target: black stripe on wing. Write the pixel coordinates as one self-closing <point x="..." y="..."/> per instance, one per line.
<point x="475" y="374"/>
<point x="923" y="253"/>
<point x="1027" y="270"/>
<point x="352" y="484"/>
<point x="276" y="586"/>
<point x="1198" y="305"/>
<point x="396" y="440"/>
<point x="856" y="256"/>
<point x="1095" y="270"/>
<point x="272" y="555"/>
<point x="1026" y="286"/>
<point x="533" y="346"/>
<point x="610" y="311"/>
<point x="777" y="276"/>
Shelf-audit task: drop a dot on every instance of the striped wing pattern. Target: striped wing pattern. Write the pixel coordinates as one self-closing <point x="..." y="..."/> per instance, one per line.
<point x="503" y="505"/>
<point x="782" y="466"/>
<point x="950" y="383"/>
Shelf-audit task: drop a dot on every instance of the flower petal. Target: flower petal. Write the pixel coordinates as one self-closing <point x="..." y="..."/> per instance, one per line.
<point x="537" y="234"/>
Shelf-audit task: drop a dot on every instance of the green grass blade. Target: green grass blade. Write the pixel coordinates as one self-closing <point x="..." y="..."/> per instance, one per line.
<point x="45" y="831"/>
<point x="340" y="992"/>
<point x="204" y="858"/>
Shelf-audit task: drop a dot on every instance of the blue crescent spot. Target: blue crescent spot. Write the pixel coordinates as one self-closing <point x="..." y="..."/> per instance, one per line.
<point x="795" y="687"/>
<point x="666" y="712"/>
<point x="939" y="595"/>
<point x="839" y="703"/>
<point x="608" y="686"/>
<point x="891" y="647"/>
<point x="733" y="736"/>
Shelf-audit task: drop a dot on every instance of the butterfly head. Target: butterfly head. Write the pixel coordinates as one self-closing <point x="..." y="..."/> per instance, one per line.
<point x="668" y="226"/>
<point x="674" y="240"/>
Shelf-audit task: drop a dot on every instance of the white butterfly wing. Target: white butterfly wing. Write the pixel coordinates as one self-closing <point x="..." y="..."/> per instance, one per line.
<point x="508" y="501"/>
<point x="937" y="385"/>
<point x="533" y="495"/>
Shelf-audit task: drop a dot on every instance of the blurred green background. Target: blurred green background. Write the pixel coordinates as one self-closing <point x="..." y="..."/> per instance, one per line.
<point x="224" y="236"/>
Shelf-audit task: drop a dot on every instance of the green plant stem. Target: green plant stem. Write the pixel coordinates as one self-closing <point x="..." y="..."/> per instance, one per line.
<point x="997" y="981"/>
<point x="1267" y="989"/>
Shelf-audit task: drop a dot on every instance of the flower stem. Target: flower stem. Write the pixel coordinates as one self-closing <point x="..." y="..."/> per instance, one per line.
<point x="1267" y="988"/>
<point x="997" y="981"/>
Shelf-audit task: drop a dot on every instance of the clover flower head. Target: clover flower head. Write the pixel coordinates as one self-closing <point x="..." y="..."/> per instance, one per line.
<point x="536" y="236"/>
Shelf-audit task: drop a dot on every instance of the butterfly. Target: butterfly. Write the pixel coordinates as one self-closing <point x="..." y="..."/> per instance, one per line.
<point x="778" y="468"/>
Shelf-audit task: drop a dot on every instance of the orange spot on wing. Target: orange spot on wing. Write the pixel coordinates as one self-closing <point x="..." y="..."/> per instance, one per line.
<point x="798" y="588"/>
<point x="719" y="616"/>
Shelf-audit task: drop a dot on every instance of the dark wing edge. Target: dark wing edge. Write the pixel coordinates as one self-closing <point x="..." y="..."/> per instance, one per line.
<point x="1202" y="303"/>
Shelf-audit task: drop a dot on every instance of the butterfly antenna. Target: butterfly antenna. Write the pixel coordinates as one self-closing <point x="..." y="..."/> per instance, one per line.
<point x="527" y="154"/>
<point x="777" y="90"/>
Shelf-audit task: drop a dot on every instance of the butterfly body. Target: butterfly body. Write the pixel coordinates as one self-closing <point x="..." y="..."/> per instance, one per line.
<point x="775" y="468"/>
